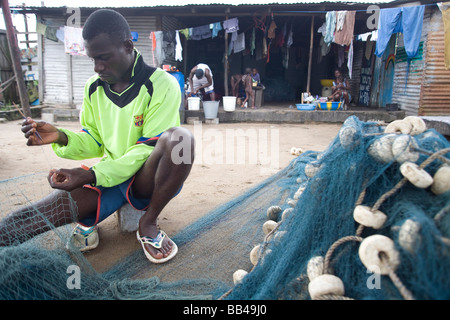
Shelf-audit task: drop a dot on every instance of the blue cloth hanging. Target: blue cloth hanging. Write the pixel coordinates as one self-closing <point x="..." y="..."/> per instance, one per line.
<point x="408" y="20"/>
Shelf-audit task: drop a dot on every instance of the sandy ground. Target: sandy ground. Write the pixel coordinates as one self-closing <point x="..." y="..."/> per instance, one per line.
<point x="230" y="158"/>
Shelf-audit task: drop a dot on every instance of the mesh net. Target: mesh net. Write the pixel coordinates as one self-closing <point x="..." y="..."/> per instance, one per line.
<point x="312" y="202"/>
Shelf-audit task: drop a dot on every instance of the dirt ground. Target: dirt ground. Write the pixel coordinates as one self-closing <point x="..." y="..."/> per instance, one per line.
<point x="230" y="158"/>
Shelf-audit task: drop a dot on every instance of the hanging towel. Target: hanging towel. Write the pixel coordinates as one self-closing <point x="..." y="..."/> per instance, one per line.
<point x="178" y="47"/>
<point x="345" y="36"/>
<point x="73" y="41"/>
<point x="215" y="27"/>
<point x="331" y="26"/>
<point x="408" y="20"/>
<point x="231" y="25"/>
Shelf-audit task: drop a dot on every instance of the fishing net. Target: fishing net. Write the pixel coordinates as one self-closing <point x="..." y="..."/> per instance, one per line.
<point x="315" y="247"/>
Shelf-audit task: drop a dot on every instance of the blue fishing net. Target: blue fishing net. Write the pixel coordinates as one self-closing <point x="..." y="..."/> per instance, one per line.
<point x="312" y="203"/>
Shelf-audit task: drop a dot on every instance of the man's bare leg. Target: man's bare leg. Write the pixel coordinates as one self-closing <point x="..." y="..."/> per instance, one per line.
<point x="55" y="209"/>
<point x="160" y="178"/>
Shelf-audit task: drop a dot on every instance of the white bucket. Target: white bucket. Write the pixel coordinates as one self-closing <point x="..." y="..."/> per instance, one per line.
<point x="210" y="108"/>
<point x="194" y="103"/>
<point x="229" y="103"/>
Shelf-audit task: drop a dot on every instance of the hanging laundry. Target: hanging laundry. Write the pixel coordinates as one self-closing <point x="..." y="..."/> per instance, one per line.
<point x="134" y="36"/>
<point x="252" y="42"/>
<point x="215" y="27"/>
<point x="178" y="47"/>
<point x="40" y="28"/>
<point x="340" y="19"/>
<point x="323" y="29"/>
<point x="73" y="41"/>
<point x="239" y="43"/>
<point x="350" y="60"/>
<point x="159" y="53"/>
<point x="446" y="19"/>
<point x="231" y="25"/>
<point x="345" y="36"/>
<point x="168" y="45"/>
<point x="290" y="39"/>
<point x="341" y="55"/>
<point x="50" y="33"/>
<point x="271" y="31"/>
<point x="408" y="20"/>
<point x="201" y="32"/>
<point x="185" y="32"/>
<point x="60" y="34"/>
<point x="331" y="26"/>
<point x="324" y="48"/>
<point x="153" y="38"/>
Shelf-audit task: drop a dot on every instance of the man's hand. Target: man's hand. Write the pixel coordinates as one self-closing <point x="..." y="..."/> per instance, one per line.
<point x="41" y="132"/>
<point x="70" y="179"/>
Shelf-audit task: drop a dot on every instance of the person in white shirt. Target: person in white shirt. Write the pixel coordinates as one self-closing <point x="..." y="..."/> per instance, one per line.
<point x="201" y="77"/>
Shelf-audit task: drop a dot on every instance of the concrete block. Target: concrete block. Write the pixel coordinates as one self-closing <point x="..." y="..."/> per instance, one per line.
<point x="192" y="120"/>
<point x="129" y="218"/>
<point x="48" y="117"/>
<point x="212" y="121"/>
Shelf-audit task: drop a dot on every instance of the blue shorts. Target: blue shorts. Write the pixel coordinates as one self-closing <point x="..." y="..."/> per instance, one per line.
<point x="113" y="198"/>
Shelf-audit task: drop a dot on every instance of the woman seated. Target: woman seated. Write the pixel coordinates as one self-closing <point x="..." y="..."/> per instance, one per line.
<point x="340" y="89"/>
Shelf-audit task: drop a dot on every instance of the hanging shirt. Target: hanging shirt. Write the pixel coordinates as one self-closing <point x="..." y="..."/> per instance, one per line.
<point x="215" y="28"/>
<point x="345" y="35"/>
<point x="231" y="25"/>
<point x="123" y="128"/>
<point x="408" y="20"/>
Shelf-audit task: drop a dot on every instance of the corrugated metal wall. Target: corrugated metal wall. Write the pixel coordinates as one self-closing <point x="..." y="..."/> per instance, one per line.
<point x="65" y="88"/>
<point x="408" y="97"/>
<point x="56" y="87"/>
<point x="358" y="53"/>
<point x="435" y="95"/>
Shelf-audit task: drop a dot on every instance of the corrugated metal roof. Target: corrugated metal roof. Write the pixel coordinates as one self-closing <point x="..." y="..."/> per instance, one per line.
<point x="176" y="3"/>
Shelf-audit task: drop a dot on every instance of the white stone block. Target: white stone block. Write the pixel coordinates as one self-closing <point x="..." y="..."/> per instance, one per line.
<point x="129" y="218"/>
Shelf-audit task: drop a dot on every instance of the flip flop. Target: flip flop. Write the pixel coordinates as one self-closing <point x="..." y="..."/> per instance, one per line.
<point x="157" y="243"/>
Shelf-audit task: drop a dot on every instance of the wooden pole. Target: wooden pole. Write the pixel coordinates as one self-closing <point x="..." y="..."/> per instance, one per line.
<point x="15" y="57"/>
<point x="225" y="63"/>
<point x="310" y="55"/>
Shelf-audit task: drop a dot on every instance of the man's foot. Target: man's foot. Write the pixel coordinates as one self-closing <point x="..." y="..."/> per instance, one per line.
<point x="157" y="246"/>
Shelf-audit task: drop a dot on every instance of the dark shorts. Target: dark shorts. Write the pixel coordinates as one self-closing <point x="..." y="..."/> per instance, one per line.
<point x="113" y="198"/>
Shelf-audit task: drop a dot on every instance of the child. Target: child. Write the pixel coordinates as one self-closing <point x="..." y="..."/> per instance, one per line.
<point x="247" y="79"/>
